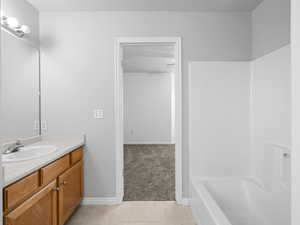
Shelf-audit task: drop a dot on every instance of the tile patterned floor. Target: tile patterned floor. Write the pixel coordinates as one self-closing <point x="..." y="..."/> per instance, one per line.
<point x="133" y="213"/>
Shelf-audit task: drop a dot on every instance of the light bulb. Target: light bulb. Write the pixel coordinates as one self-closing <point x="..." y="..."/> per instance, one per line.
<point x="25" y="29"/>
<point x="12" y="22"/>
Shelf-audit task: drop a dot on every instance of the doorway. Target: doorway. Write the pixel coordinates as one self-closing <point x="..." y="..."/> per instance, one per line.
<point x="144" y="65"/>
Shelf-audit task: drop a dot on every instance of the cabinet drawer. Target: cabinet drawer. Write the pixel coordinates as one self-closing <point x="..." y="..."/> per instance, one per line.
<point x="19" y="191"/>
<point x="53" y="170"/>
<point x="76" y="156"/>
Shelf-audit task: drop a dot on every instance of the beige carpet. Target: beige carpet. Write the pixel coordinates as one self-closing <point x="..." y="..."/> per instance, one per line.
<point x="149" y="172"/>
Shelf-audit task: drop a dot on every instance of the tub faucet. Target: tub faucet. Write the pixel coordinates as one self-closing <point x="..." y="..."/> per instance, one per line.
<point x="13" y="148"/>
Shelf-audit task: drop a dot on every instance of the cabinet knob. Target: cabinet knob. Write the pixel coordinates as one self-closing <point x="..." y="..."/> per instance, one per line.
<point x="56" y="189"/>
<point x="64" y="182"/>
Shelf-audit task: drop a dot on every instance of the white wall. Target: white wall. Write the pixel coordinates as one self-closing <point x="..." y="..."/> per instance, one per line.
<point x="295" y="112"/>
<point x="26" y="14"/>
<point x="78" y="72"/>
<point x="147" y="109"/>
<point x="270" y="104"/>
<point x="219" y="118"/>
<point x="270" y="27"/>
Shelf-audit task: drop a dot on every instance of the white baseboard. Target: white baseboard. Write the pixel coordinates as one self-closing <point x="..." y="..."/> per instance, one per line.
<point x="184" y="201"/>
<point x="101" y="201"/>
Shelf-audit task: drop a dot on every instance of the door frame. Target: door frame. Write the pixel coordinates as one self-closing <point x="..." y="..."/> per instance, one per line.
<point x="119" y="110"/>
<point x="295" y="83"/>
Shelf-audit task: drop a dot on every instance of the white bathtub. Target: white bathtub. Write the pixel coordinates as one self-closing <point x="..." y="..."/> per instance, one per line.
<point x="238" y="201"/>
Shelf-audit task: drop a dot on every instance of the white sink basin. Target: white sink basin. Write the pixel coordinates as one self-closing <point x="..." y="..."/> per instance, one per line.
<point x="29" y="152"/>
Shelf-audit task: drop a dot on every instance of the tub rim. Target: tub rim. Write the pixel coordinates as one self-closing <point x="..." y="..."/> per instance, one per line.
<point x="213" y="208"/>
<point x="211" y="205"/>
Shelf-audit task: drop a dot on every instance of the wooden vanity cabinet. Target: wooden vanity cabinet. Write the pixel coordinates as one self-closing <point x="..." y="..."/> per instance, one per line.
<point x="76" y="156"/>
<point x="40" y="209"/>
<point x="48" y="196"/>
<point x="21" y="190"/>
<point x="70" y="191"/>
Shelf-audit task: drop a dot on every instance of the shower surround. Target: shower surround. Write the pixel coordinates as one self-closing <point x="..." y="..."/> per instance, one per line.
<point x="149" y="172"/>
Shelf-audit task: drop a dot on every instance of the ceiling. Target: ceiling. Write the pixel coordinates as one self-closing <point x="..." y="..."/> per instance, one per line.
<point x="145" y="5"/>
<point x="148" y="58"/>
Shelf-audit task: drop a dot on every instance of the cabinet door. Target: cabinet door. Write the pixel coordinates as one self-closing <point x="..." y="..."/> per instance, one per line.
<point x="40" y="209"/>
<point x="70" y="191"/>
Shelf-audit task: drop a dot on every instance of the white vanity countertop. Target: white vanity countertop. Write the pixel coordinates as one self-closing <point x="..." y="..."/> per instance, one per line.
<point x="14" y="171"/>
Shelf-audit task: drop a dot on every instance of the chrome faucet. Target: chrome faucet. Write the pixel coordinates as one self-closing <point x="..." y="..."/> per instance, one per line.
<point x="13" y="148"/>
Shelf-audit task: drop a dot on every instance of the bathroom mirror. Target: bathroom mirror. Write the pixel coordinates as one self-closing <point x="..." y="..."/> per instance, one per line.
<point x="20" y="84"/>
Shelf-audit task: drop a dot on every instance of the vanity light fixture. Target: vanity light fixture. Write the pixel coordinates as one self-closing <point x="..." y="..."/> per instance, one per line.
<point x="12" y="25"/>
<point x="11" y="22"/>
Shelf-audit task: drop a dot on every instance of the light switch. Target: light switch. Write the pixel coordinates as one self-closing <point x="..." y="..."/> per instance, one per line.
<point x="98" y="113"/>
